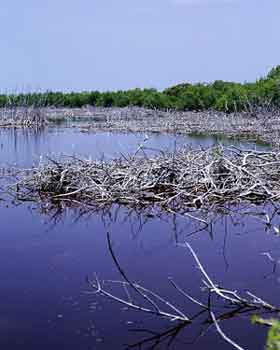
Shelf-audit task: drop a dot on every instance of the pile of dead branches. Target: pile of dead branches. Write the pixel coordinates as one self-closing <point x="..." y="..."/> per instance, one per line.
<point x="173" y="181"/>
<point x="22" y="116"/>
<point x="262" y="126"/>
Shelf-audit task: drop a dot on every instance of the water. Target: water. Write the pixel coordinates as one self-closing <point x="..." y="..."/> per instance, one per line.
<point x="25" y="147"/>
<point x="44" y="261"/>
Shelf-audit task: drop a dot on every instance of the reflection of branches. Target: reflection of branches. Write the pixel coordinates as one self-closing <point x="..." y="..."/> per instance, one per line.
<point x="155" y="304"/>
<point x="128" y="282"/>
<point x="188" y="222"/>
<point x="149" y="296"/>
<point x="157" y="338"/>
<point x="224" y="243"/>
<point x="275" y="262"/>
<point x="171" y="334"/>
<point x="136" y="219"/>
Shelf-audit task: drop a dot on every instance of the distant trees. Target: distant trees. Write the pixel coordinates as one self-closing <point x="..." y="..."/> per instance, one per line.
<point x="219" y="95"/>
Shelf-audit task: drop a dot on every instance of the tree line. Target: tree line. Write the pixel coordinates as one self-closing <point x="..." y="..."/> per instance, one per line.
<point x="219" y="95"/>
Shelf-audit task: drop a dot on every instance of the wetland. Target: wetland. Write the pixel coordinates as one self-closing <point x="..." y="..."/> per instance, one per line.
<point x="78" y="275"/>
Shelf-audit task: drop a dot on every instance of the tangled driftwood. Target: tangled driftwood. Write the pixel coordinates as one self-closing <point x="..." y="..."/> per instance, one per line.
<point x="263" y="125"/>
<point x="23" y="116"/>
<point x="173" y="181"/>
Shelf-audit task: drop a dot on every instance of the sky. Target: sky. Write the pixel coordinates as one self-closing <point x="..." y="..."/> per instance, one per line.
<point x="73" y="45"/>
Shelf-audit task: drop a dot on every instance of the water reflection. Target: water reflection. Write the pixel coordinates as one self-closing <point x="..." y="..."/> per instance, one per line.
<point x="25" y="147"/>
<point x="237" y="305"/>
<point x="233" y="248"/>
<point x="47" y="252"/>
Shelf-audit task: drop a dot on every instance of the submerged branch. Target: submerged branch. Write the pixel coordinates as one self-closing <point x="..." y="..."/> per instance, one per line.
<point x="237" y="303"/>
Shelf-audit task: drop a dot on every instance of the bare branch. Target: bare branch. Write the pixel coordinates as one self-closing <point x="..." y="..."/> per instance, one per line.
<point x="222" y="334"/>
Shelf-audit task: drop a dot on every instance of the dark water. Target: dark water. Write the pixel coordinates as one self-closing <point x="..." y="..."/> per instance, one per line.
<point x="44" y="261"/>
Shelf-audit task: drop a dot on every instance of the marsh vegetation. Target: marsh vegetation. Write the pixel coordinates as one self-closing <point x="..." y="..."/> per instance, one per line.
<point x="262" y="95"/>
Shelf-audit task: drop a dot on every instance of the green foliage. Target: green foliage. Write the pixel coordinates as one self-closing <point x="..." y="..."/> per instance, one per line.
<point x="273" y="338"/>
<point x="219" y="95"/>
<point x="3" y="100"/>
<point x="274" y="73"/>
<point x="177" y="90"/>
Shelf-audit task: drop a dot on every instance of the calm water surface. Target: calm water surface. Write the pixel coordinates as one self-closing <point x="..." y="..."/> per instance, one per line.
<point x="24" y="147"/>
<point x="44" y="260"/>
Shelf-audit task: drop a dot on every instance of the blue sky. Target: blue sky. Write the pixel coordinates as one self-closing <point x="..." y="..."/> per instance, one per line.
<point x="109" y="45"/>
